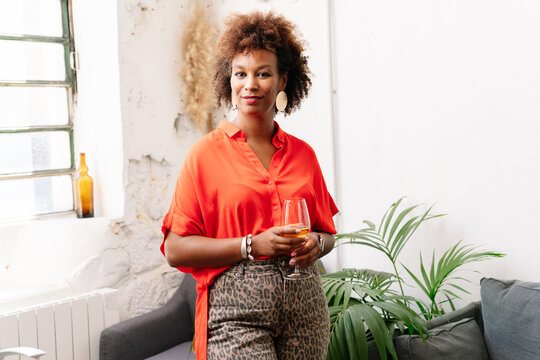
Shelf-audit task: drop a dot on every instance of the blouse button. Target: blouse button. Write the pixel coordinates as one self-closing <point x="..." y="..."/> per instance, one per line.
<point x="270" y="182"/>
<point x="275" y="207"/>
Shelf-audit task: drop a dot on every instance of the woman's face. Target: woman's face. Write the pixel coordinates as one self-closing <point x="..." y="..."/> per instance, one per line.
<point x="255" y="82"/>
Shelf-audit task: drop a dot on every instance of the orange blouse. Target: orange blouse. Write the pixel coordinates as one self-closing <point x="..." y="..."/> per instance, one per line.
<point x="224" y="191"/>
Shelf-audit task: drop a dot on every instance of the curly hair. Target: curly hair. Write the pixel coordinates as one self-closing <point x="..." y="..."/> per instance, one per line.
<point x="259" y="31"/>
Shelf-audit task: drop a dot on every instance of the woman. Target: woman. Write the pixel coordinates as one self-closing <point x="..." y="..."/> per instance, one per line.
<point x="229" y="192"/>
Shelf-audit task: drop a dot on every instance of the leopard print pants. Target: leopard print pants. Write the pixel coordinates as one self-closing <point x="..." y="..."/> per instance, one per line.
<point x="254" y="313"/>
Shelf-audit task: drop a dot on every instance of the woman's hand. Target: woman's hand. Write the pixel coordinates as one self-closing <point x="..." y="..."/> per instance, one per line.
<point x="272" y="242"/>
<point x="308" y="253"/>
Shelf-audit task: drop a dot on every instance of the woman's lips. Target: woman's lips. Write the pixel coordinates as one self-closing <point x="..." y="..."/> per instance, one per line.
<point x="250" y="100"/>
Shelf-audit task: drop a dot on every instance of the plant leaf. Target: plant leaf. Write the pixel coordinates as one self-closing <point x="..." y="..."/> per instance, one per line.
<point x="359" y="334"/>
<point x="378" y="329"/>
<point x="392" y="209"/>
<point x="418" y="282"/>
<point x="399" y="219"/>
<point x="350" y="335"/>
<point x="371" y="225"/>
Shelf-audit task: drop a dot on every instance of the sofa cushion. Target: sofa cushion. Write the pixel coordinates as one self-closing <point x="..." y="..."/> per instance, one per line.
<point x="182" y="351"/>
<point x="459" y="340"/>
<point x="511" y="313"/>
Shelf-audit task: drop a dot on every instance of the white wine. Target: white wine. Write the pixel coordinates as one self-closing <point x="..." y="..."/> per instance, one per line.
<point x="304" y="230"/>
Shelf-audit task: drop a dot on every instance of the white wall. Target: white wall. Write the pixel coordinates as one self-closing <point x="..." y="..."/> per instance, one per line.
<point x="438" y="100"/>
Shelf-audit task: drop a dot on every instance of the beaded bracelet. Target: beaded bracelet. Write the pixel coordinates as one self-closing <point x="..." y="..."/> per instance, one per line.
<point x="245" y="248"/>
<point x="249" y="256"/>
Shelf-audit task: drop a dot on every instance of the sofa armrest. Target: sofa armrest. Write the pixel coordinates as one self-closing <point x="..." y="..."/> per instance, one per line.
<point x="149" y="334"/>
<point x="473" y="310"/>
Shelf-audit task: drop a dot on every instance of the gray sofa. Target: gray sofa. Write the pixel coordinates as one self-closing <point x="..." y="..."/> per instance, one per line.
<point x="504" y="325"/>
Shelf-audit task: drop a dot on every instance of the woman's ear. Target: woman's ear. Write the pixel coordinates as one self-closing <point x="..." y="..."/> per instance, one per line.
<point x="283" y="81"/>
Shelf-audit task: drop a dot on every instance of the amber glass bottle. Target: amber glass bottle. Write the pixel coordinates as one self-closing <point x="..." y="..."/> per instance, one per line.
<point x="84" y="191"/>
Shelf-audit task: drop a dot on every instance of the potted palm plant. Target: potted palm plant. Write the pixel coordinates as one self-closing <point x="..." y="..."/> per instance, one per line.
<point x="371" y="306"/>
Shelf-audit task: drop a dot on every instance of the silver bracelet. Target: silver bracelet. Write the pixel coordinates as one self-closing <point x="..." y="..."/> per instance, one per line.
<point x="321" y="243"/>
<point x="249" y="256"/>
<point x="243" y="248"/>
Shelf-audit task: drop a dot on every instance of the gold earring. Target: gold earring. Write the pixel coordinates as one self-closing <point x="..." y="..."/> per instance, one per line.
<point x="233" y="101"/>
<point x="281" y="100"/>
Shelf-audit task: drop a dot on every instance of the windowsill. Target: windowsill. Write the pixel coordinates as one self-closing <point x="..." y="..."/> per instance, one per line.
<point x="68" y="217"/>
<point x="45" y="217"/>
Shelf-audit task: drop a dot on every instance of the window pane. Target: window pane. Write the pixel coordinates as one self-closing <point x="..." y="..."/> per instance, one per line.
<point x="31" y="17"/>
<point x="35" y="196"/>
<point x="20" y="107"/>
<point x="24" y="152"/>
<point x="23" y="60"/>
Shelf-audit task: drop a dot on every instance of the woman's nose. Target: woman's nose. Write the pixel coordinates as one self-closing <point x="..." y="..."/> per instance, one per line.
<point x="251" y="82"/>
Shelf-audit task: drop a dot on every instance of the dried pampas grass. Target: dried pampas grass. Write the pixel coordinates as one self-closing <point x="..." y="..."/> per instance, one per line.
<point x="197" y="70"/>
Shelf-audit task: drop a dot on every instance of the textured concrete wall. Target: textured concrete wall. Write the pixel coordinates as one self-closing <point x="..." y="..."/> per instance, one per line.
<point x="156" y="138"/>
<point x="148" y="281"/>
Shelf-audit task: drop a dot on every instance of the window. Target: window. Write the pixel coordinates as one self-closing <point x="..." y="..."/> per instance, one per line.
<point x="38" y="92"/>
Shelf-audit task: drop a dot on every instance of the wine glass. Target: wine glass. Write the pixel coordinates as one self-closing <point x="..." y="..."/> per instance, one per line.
<point x="295" y="214"/>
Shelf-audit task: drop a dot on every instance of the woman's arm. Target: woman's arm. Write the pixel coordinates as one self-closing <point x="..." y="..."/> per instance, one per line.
<point x="200" y="251"/>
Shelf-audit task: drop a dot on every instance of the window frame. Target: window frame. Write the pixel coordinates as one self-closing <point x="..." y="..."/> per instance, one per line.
<point x="70" y="84"/>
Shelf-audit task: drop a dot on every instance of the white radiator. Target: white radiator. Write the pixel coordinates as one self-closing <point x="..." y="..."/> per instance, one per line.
<point x="66" y="329"/>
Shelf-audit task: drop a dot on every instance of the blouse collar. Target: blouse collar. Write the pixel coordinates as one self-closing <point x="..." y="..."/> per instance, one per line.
<point x="234" y="132"/>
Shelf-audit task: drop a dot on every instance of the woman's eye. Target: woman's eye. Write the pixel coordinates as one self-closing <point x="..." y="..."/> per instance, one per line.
<point x="239" y="74"/>
<point x="264" y="74"/>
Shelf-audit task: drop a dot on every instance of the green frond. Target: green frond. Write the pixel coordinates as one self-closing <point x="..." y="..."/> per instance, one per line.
<point x="441" y="276"/>
<point x="371" y="225"/>
<point x="392" y="209"/>
<point x="400" y="217"/>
